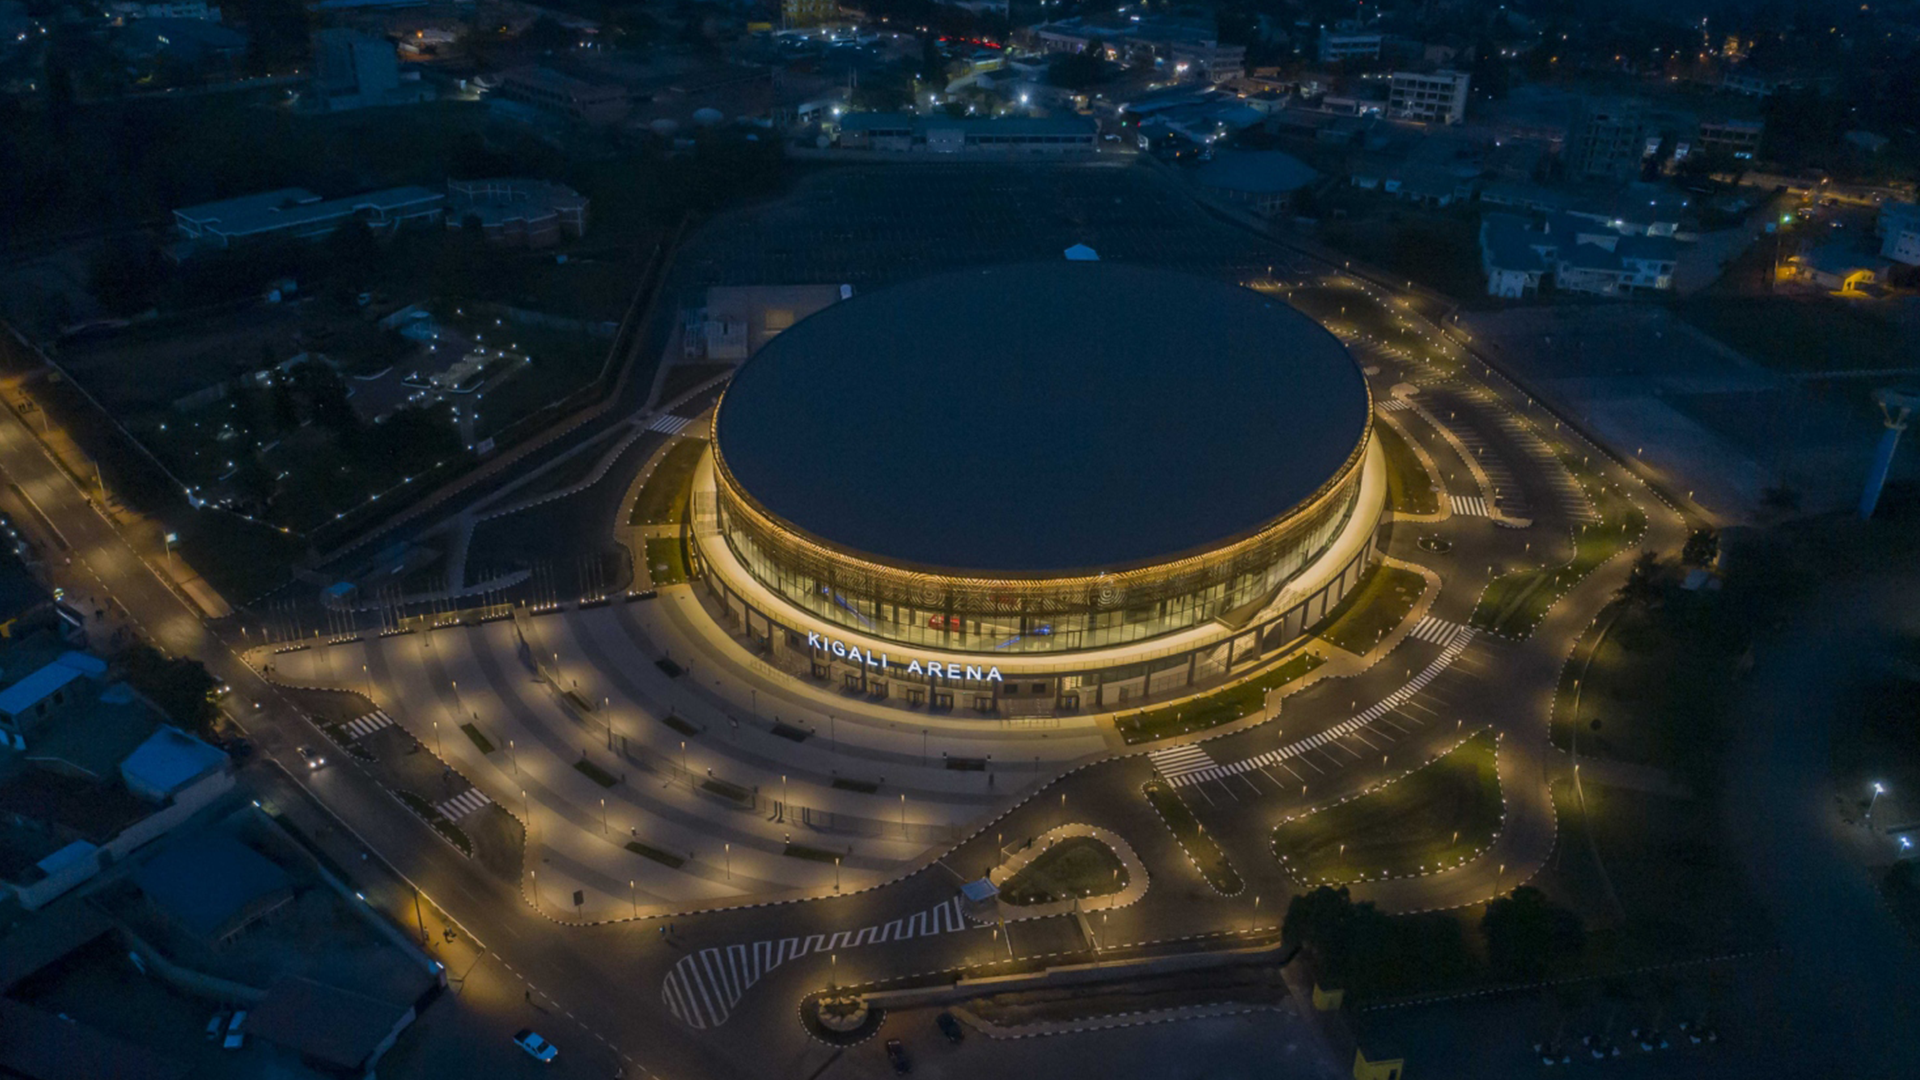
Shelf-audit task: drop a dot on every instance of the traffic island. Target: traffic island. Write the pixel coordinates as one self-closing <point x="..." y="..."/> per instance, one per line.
<point x="840" y="1019"/>
<point x="1437" y="817"/>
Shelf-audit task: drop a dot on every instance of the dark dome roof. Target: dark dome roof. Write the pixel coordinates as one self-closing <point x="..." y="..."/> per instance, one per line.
<point x="1043" y="418"/>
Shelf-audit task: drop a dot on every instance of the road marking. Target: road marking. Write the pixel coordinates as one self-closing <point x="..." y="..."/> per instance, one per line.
<point x="363" y="726"/>
<point x="1470" y="506"/>
<point x="668" y="424"/>
<point x="1185" y="769"/>
<point x="703" y="988"/>
<point x="1177" y="761"/>
<point x="1438" y="631"/>
<point x="463" y="804"/>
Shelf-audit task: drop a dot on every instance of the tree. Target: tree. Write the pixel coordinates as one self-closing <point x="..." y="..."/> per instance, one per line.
<point x="181" y="687"/>
<point x="1701" y="548"/>
<point x="1642" y="586"/>
<point x="1529" y="936"/>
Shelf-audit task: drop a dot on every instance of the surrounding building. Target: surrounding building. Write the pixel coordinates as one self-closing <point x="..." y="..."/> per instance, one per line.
<point x="1740" y="138"/>
<point x="1898" y="227"/>
<point x="1437" y="98"/>
<point x="549" y="93"/>
<point x="1518" y="254"/>
<point x="1338" y="45"/>
<point x="901" y="133"/>
<point x="1840" y="267"/>
<point x="517" y="212"/>
<point x="353" y="70"/>
<point x="797" y="14"/>
<point x="296" y="213"/>
<point x="97" y="775"/>
<point x="1609" y="142"/>
<point x="1181" y="48"/>
<point x="1263" y="180"/>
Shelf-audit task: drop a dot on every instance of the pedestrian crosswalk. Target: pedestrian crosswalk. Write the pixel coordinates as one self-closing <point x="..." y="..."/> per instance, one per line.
<point x="1394" y="405"/>
<point x="1567" y="493"/>
<point x="1377" y="711"/>
<point x="1438" y="631"/>
<point x="1470" y="506"/>
<point x="1176" y="762"/>
<point x="361" y="727"/>
<point x="668" y="424"/>
<point x="463" y="804"/>
<point x="703" y="988"/>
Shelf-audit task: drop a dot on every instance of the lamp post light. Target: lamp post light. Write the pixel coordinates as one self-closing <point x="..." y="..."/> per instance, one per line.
<point x="603" y="816"/>
<point x="172" y="539"/>
<point x="513" y="754"/>
<point x="1879" y="789"/>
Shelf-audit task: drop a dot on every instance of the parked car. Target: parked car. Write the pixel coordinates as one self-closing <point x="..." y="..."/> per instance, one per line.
<point x="535" y="1046"/>
<point x="312" y="757"/>
<point x="236" y="1037"/>
<point x="897" y="1057"/>
<point x="950" y="1027"/>
<point x="215" y="1024"/>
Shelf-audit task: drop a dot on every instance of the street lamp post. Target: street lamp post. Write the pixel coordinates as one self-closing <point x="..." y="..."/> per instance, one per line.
<point x="903" y="813"/>
<point x="729" y="850"/>
<point x="603" y="816"/>
<point x="633" y="893"/>
<point x="1879" y="789"/>
<point x="171" y="539"/>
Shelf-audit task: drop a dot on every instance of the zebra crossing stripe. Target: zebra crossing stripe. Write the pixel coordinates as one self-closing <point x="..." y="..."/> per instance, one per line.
<point x="1395" y="405"/>
<point x="361" y="727"/>
<point x="668" y="424"/>
<point x="1470" y="505"/>
<point x="463" y="804"/>
<point x="1437" y="631"/>
<point x="1455" y="645"/>
<point x="1178" y="761"/>
<point x="702" y="989"/>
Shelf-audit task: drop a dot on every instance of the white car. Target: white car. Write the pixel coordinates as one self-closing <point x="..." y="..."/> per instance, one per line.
<point x="538" y="1048"/>
<point x="312" y="757"/>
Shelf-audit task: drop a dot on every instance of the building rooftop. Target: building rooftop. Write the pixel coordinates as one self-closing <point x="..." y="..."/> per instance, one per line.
<point x="94" y="740"/>
<point x="207" y="880"/>
<point x="170" y="759"/>
<point x="39" y="1045"/>
<point x="1043" y="418"/>
<point x="338" y="1027"/>
<point x="289" y="208"/>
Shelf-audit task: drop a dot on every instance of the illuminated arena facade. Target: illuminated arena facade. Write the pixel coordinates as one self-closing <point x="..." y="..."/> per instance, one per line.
<point x="1039" y="482"/>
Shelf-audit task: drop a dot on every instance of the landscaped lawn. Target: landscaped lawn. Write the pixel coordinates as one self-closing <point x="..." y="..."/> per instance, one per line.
<point x="667" y="559"/>
<point x="663" y="500"/>
<point x="1371" y="611"/>
<point x="1215" y="709"/>
<point x="1514" y="603"/>
<point x="1409" y="488"/>
<point x="1199" y="844"/>
<point x="1076" y="866"/>
<point x="1437" y="816"/>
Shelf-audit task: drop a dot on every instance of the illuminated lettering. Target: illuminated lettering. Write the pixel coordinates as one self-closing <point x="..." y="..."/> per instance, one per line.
<point x="853" y="655"/>
<point x="973" y="672"/>
<point x="913" y="668"/>
<point x="839" y="647"/>
<point x="931" y="669"/>
<point x="993" y="675"/>
<point x="815" y="641"/>
<point x="934" y="669"/>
